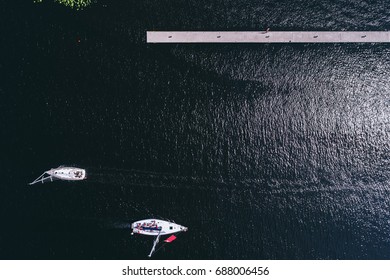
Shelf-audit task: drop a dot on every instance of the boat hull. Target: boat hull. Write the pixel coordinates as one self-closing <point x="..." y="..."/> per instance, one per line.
<point x="156" y="227"/>
<point x="68" y="173"/>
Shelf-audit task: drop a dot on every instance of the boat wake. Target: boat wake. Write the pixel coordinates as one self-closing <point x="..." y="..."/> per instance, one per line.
<point x="126" y="177"/>
<point x="117" y="225"/>
<point x="138" y="178"/>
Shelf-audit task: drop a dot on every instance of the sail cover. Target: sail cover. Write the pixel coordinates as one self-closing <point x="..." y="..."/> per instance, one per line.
<point x="170" y="239"/>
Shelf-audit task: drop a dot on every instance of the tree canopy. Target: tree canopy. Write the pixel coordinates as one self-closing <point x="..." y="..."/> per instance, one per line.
<point x="75" y="4"/>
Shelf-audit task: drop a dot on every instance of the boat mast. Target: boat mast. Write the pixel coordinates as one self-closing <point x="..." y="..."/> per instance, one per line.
<point x="40" y="179"/>
<point x="154" y="244"/>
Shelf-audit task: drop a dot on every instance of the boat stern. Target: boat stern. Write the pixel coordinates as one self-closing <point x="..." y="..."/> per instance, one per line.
<point x="132" y="228"/>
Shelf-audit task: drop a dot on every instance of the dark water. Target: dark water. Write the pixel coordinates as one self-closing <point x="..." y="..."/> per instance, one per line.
<point x="263" y="151"/>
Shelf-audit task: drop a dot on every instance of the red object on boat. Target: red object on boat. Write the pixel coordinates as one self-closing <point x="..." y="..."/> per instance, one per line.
<point x="170" y="239"/>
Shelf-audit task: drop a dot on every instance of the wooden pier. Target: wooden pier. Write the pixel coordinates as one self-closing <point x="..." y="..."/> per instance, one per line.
<point x="268" y="37"/>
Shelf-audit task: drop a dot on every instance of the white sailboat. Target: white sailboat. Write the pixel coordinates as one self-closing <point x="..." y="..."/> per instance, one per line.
<point x="62" y="173"/>
<point x="155" y="227"/>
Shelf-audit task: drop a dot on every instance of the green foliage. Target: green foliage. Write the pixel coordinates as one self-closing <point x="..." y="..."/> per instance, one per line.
<point x="75" y="4"/>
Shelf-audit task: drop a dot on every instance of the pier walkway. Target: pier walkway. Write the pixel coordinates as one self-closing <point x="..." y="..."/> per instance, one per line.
<point x="268" y="37"/>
